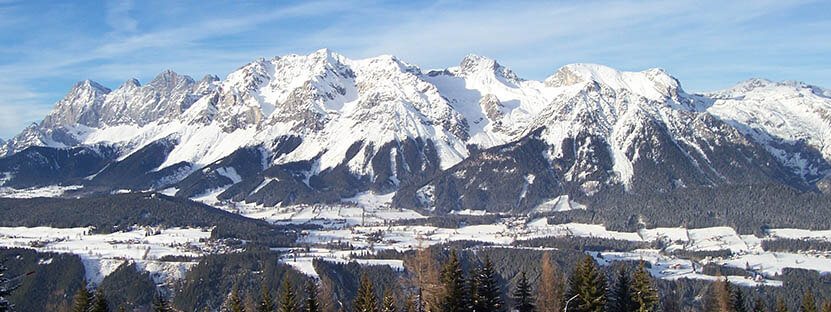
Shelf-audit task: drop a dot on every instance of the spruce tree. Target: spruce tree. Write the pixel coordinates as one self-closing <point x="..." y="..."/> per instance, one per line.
<point x="737" y="300"/>
<point x="234" y="301"/>
<point x="490" y="296"/>
<point x="644" y="293"/>
<point x="410" y="304"/>
<point x="266" y="303"/>
<point x="590" y="285"/>
<point x="6" y="290"/>
<point x="780" y="305"/>
<point x="99" y="302"/>
<point x="550" y="289"/>
<point x="522" y="295"/>
<point x="808" y="303"/>
<point x="82" y="300"/>
<point x="160" y="304"/>
<point x="759" y="306"/>
<point x="366" y="301"/>
<point x="453" y="286"/>
<point x="720" y="296"/>
<point x="388" y="303"/>
<point x="471" y="297"/>
<point x="620" y="297"/>
<point x="288" y="300"/>
<point x="312" y="305"/>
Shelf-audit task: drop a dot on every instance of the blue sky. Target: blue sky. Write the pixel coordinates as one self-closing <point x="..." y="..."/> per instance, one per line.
<point x="46" y="46"/>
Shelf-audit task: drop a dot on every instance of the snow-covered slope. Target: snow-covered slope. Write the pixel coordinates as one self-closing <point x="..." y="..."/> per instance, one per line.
<point x="792" y="119"/>
<point x="328" y="127"/>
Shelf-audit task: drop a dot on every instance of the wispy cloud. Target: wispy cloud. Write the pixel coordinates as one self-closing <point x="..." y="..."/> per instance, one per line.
<point x="118" y="16"/>
<point x="706" y="43"/>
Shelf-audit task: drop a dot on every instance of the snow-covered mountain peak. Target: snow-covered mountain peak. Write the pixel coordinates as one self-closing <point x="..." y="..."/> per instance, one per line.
<point x="79" y="106"/>
<point x="654" y="84"/>
<point x="169" y="79"/>
<point x="130" y="84"/>
<point x="88" y="86"/>
<point x="474" y="65"/>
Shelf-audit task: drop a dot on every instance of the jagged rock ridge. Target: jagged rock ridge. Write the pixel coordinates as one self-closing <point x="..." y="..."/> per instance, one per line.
<point x="320" y="127"/>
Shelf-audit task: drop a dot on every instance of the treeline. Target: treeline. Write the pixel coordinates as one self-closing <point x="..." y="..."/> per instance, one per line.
<point x="452" y="221"/>
<point x="113" y="213"/>
<point x="795" y="245"/>
<point x="750" y="209"/>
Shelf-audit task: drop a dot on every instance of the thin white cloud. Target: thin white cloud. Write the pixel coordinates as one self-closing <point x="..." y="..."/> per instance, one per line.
<point x="699" y="38"/>
<point x="118" y="16"/>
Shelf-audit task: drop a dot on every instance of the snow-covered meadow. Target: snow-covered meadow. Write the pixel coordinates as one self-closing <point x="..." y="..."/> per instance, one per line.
<point x="366" y="223"/>
<point x="377" y="234"/>
<point x="101" y="254"/>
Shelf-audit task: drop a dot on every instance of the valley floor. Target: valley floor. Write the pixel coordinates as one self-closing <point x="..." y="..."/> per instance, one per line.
<point x="366" y="224"/>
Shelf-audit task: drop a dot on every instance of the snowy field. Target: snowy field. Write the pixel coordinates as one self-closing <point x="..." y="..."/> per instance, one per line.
<point x="48" y="191"/>
<point x="364" y="223"/>
<point x="363" y="209"/>
<point x="103" y="253"/>
<point x="746" y="249"/>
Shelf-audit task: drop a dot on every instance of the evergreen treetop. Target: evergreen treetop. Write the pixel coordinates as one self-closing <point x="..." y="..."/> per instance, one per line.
<point x="160" y="304"/>
<point x="266" y="303"/>
<point x="288" y="300"/>
<point x="5" y="290"/>
<point x="453" y="286"/>
<point x="388" y="304"/>
<point x="644" y="293"/>
<point x="366" y="301"/>
<point x="808" y="302"/>
<point x="312" y="304"/>
<point x="82" y="300"/>
<point x="620" y="296"/>
<point x="99" y="302"/>
<point x="488" y="292"/>
<point x="522" y="295"/>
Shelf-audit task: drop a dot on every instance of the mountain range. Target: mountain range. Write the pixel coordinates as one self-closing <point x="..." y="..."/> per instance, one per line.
<point x="319" y="128"/>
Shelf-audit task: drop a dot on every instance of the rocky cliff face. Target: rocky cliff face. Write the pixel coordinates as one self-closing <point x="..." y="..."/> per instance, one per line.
<point x="320" y="127"/>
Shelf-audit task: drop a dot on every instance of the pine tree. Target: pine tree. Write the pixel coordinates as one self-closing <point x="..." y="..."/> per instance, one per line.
<point x="234" y="303"/>
<point x="410" y="304"/>
<point x="99" y="302"/>
<point x="720" y="296"/>
<point x="6" y="290"/>
<point x="160" y="304"/>
<point x="471" y="294"/>
<point x="453" y="286"/>
<point x="759" y="306"/>
<point x="826" y="306"/>
<point x="620" y="298"/>
<point x="82" y="300"/>
<point x="388" y="304"/>
<point x="266" y="302"/>
<point x="780" y="305"/>
<point x="312" y="304"/>
<point x="644" y="293"/>
<point x="288" y="300"/>
<point x="522" y="295"/>
<point x="550" y="290"/>
<point x="737" y="301"/>
<point x="488" y="292"/>
<point x="808" y="303"/>
<point x="366" y="301"/>
<point x="590" y="284"/>
<point x="249" y="303"/>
